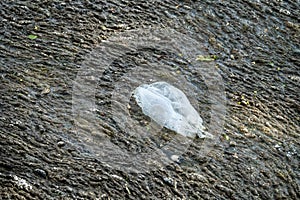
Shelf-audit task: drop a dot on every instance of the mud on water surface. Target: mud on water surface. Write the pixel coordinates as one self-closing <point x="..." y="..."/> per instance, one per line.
<point x="254" y="47"/>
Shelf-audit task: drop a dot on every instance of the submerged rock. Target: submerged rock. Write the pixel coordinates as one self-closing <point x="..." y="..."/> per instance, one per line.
<point x="170" y="108"/>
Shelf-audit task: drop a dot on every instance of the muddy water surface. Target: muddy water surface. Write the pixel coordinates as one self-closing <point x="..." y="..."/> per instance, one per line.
<point x="256" y="46"/>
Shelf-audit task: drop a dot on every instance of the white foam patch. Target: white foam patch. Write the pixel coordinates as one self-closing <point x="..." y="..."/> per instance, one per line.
<point x="22" y="183"/>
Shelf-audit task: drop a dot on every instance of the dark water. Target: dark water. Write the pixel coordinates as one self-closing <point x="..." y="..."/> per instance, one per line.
<point x="47" y="151"/>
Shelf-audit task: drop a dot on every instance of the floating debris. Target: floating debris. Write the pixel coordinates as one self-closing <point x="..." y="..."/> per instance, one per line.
<point x="170" y="108"/>
<point x="206" y="58"/>
<point x="32" y="37"/>
<point x="46" y="90"/>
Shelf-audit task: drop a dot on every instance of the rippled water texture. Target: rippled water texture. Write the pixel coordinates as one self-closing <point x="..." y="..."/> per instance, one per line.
<point x="148" y="56"/>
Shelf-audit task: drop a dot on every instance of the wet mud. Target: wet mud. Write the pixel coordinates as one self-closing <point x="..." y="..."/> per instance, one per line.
<point x="255" y="45"/>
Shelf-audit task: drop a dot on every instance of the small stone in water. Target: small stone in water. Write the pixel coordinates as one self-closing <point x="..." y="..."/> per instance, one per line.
<point x="61" y="143"/>
<point x="175" y="158"/>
